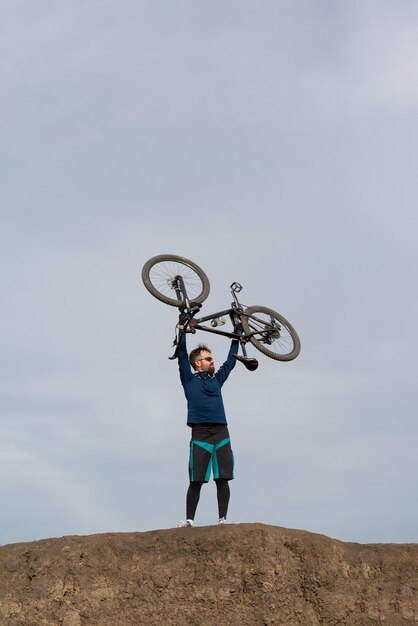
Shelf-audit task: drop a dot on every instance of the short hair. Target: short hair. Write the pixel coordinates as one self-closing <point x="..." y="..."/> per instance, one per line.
<point x="197" y="352"/>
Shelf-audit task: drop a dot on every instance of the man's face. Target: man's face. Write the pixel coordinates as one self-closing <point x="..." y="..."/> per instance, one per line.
<point x="205" y="363"/>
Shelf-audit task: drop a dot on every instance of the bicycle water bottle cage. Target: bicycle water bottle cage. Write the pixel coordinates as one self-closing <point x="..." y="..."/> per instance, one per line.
<point x="219" y="321"/>
<point x="236" y="287"/>
<point x="250" y="363"/>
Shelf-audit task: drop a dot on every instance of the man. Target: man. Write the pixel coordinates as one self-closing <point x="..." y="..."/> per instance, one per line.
<point x="210" y="445"/>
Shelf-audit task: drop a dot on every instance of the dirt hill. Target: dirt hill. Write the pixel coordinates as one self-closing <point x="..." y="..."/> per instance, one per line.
<point x="234" y="575"/>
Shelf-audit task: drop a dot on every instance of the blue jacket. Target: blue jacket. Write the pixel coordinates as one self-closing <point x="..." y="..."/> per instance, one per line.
<point x="203" y="391"/>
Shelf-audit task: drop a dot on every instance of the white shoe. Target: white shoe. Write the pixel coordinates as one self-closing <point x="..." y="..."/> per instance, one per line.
<point x="187" y="524"/>
<point x="222" y="520"/>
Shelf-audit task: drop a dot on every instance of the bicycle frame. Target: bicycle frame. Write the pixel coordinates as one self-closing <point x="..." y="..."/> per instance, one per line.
<point x="195" y="323"/>
<point x="181" y="283"/>
<point x="192" y="324"/>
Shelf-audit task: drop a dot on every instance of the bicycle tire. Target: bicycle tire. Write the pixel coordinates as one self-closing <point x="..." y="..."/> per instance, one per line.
<point x="158" y="274"/>
<point x="278" y="333"/>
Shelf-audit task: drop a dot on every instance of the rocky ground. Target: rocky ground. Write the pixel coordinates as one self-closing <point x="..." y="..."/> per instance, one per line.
<point x="233" y="575"/>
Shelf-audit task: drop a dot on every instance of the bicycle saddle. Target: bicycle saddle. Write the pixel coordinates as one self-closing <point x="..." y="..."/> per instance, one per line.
<point x="250" y="363"/>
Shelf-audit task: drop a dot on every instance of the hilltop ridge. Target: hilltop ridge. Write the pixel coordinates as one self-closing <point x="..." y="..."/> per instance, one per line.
<point x="235" y="575"/>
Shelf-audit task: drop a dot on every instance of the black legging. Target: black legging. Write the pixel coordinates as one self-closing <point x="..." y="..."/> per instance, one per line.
<point x="193" y="495"/>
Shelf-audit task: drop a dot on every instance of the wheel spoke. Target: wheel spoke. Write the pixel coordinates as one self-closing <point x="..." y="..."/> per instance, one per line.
<point x="163" y="274"/>
<point x="270" y="333"/>
<point x="159" y="276"/>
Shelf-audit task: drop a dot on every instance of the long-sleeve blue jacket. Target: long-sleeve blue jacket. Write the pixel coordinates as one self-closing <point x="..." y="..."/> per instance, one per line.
<point x="202" y="390"/>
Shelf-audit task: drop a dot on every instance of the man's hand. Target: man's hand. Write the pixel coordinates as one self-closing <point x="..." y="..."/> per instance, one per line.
<point x="183" y="319"/>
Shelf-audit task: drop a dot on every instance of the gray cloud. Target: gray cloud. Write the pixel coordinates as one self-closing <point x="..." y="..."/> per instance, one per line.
<point x="273" y="145"/>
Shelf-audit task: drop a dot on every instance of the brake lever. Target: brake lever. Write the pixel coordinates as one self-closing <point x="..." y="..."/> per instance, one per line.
<point x="189" y="327"/>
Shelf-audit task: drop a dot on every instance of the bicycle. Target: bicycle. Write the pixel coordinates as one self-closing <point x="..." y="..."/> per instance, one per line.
<point x="179" y="282"/>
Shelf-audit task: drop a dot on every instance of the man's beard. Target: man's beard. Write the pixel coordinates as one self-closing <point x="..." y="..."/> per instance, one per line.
<point x="211" y="370"/>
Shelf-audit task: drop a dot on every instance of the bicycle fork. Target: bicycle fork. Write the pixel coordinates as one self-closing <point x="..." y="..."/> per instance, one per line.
<point x="180" y="289"/>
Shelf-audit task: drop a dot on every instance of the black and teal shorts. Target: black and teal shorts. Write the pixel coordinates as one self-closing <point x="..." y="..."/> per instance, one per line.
<point x="210" y="451"/>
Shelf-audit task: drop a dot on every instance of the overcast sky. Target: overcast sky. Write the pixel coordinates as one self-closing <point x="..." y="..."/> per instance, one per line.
<point x="275" y="144"/>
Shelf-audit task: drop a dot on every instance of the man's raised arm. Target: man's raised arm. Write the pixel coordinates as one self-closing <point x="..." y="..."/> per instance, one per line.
<point x="225" y="369"/>
<point x="183" y="357"/>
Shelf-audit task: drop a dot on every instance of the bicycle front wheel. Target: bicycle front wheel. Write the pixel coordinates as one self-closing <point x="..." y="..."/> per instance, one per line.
<point x="160" y="275"/>
<point x="270" y="333"/>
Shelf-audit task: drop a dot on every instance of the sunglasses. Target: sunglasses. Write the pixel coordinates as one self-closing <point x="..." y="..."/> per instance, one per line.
<point x="206" y="358"/>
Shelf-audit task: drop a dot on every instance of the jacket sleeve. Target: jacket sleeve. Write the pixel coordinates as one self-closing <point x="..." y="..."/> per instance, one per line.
<point x="183" y="357"/>
<point x="225" y="369"/>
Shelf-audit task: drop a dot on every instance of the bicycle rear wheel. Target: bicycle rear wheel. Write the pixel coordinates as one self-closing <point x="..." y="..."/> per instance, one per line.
<point x="270" y="333"/>
<point x="159" y="277"/>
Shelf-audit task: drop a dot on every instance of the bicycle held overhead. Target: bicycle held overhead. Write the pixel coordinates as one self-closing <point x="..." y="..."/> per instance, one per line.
<point x="179" y="282"/>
